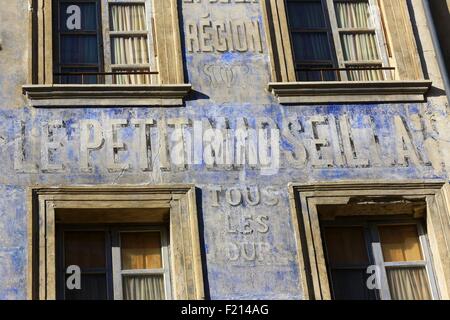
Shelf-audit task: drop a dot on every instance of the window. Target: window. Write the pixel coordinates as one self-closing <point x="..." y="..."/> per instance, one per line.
<point x="311" y="35"/>
<point x="82" y="55"/>
<point x="105" y="52"/>
<point x="137" y="243"/>
<point x="343" y="51"/>
<point x="396" y="230"/>
<point x="337" y="40"/>
<point x="116" y="262"/>
<point x="398" y="250"/>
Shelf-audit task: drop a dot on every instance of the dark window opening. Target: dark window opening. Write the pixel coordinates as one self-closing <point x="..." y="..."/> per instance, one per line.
<point x="129" y="263"/>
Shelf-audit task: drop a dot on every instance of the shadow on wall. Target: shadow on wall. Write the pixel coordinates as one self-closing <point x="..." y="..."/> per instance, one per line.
<point x="199" y="197"/>
<point x="182" y="39"/>
<point x="194" y="95"/>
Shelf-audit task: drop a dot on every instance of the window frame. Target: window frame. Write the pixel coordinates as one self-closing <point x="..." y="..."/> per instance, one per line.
<point x="377" y="29"/>
<point x="149" y="33"/>
<point x="375" y="253"/>
<point x="172" y="205"/>
<point x="305" y="200"/>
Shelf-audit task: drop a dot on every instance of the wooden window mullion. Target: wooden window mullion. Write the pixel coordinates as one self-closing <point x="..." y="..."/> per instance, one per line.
<point x="384" y="291"/>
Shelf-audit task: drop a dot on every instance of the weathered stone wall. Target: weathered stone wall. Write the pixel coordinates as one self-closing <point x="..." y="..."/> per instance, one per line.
<point x="246" y="224"/>
<point x="441" y="17"/>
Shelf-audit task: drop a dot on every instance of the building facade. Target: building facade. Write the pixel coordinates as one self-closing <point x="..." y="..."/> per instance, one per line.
<point x="222" y="149"/>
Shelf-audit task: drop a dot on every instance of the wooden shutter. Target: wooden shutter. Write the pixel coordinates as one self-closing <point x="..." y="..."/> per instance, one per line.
<point x="398" y="24"/>
<point x="167" y="38"/>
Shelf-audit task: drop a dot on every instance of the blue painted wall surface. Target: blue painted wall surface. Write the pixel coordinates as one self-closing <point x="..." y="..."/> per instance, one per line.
<point x="274" y="273"/>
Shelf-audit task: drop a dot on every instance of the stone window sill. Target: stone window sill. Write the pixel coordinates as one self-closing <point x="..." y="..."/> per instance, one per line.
<point x="103" y="95"/>
<point x="350" y="91"/>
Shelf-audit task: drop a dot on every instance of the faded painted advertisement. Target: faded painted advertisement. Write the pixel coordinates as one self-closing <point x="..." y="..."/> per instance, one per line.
<point x="231" y="139"/>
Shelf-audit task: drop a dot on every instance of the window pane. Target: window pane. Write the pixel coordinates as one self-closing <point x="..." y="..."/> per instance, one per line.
<point x="311" y="46"/>
<point x="346" y="246"/>
<point x="128" y="17"/>
<point x="85" y="249"/>
<point x="141" y="250"/>
<point x="148" y="287"/>
<point x="353" y="14"/>
<point x="93" y="287"/>
<point x="79" y="49"/>
<point x="129" y="50"/>
<point x="400" y="243"/>
<point x="359" y="46"/>
<point x="303" y="15"/>
<point x="88" y="16"/>
<point x="351" y="285"/>
<point x="408" y="283"/>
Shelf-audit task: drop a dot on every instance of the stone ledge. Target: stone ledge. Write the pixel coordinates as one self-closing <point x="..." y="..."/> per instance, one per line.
<point x="60" y="95"/>
<point x="350" y="91"/>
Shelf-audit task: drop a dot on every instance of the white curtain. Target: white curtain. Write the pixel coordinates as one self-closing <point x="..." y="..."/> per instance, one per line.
<point x="353" y="15"/>
<point x="129" y="49"/>
<point x="148" y="287"/>
<point x="408" y="284"/>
